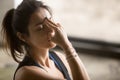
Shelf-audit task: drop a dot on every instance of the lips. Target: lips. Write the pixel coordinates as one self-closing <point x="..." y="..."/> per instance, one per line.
<point x="49" y="40"/>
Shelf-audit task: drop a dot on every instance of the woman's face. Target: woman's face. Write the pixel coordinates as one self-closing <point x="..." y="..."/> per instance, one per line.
<point x="39" y="35"/>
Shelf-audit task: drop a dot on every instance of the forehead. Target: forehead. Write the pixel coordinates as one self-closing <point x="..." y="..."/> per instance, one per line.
<point x="39" y="15"/>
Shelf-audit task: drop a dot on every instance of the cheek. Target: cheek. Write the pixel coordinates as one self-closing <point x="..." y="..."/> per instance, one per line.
<point x="39" y="38"/>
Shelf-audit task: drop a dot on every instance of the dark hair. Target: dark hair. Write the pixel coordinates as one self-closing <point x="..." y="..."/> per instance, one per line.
<point x="17" y="20"/>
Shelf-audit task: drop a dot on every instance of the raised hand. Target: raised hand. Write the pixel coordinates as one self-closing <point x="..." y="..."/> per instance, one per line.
<point x="60" y="36"/>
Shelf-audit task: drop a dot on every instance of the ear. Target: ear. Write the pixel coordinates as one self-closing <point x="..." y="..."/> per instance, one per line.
<point x="21" y="36"/>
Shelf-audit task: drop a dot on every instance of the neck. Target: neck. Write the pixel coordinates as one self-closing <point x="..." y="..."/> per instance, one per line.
<point x="41" y="56"/>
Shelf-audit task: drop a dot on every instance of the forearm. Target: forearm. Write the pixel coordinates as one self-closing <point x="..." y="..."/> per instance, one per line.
<point x="77" y="68"/>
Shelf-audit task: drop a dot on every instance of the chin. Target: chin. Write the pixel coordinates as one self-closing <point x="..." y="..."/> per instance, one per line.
<point x="52" y="45"/>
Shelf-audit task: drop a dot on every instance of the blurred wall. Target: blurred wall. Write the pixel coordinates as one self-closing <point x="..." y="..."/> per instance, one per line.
<point x="5" y="5"/>
<point x="91" y="19"/>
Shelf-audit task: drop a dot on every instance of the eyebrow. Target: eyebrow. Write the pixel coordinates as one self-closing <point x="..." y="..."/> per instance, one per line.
<point x="39" y="23"/>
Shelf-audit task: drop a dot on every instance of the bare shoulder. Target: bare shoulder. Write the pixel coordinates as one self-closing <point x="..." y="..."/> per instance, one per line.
<point x="33" y="73"/>
<point x="27" y="73"/>
<point x="63" y="58"/>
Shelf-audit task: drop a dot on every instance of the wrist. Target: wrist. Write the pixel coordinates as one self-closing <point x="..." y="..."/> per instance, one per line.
<point x="70" y="53"/>
<point x="66" y="46"/>
<point x="71" y="56"/>
<point x="69" y="50"/>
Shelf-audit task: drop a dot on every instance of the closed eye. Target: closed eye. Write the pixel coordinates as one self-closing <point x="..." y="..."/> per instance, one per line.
<point x="40" y="27"/>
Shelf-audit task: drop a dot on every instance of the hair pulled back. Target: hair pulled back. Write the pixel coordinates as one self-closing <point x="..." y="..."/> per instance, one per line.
<point x="17" y="20"/>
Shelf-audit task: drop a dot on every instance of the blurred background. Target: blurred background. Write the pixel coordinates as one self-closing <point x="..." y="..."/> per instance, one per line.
<point x="93" y="27"/>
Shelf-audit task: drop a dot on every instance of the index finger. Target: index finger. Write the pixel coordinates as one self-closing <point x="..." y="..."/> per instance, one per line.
<point x="48" y="21"/>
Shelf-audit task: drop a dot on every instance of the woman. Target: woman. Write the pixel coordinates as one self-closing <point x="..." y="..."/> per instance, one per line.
<point x="29" y="31"/>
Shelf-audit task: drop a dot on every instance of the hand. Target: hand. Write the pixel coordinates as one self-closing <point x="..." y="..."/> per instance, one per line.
<point x="60" y="37"/>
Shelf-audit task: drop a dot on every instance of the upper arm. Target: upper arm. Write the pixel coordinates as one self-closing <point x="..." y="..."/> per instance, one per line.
<point x="33" y="73"/>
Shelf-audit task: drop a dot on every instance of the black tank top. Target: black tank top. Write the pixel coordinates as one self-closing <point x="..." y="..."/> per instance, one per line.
<point x="28" y="61"/>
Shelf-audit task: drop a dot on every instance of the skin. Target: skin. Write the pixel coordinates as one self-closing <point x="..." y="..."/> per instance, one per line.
<point x="42" y="38"/>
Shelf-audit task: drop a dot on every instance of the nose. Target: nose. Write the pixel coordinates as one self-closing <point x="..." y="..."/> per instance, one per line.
<point x="50" y="31"/>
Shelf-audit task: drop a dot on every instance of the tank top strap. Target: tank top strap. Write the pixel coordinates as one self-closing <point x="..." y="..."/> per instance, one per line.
<point x="60" y="65"/>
